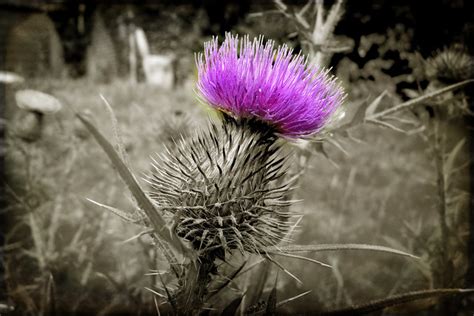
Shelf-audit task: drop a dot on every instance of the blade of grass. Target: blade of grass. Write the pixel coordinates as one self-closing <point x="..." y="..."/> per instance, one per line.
<point x="156" y="306"/>
<point x="126" y="216"/>
<point x="339" y="247"/>
<point x="396" y="300"/>
<point x="288" y="300"/>
<point x="301" y="258"/>
<point x="279" y="265"/>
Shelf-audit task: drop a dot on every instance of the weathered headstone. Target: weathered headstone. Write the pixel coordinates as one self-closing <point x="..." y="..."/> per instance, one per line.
<point x="33" y="47"/>
<point x="101" y="56"/>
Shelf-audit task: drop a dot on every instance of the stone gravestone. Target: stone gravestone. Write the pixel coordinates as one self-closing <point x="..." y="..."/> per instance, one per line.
<point x="33" y="47"/>
<point x="101" y="59"/>
<point x="159" y="70"/>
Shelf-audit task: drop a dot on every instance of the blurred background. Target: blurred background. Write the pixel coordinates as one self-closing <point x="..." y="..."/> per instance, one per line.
<point x="406" y="185"/>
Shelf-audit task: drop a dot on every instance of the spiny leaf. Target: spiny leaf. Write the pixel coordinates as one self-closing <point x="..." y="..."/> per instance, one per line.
<point x="338" y="247"/>
<point x="397" y="300"/>
<point x="158" y="223"/>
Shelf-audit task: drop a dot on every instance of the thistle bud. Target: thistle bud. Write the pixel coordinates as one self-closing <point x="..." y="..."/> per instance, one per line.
<point x="225" y="188"/>
<point x="450" y="65"/>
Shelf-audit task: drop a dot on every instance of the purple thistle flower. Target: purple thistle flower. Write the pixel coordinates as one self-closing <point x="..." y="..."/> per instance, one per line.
<point x="255" y="80"/>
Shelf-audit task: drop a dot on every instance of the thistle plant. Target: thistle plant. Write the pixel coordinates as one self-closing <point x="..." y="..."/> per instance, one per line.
<point x="227" y="190"/>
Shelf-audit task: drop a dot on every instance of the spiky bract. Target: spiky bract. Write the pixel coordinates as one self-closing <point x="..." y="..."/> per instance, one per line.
<point x="225" y="188"/>
<point x="251" y="79"/>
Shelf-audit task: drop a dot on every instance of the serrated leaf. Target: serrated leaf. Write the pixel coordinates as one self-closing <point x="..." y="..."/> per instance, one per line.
<point x="339" y="247"/>
<point x="231" y="309"/>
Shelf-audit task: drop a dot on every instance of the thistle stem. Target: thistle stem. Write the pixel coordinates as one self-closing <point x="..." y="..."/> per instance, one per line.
<point x="191" y="299"/>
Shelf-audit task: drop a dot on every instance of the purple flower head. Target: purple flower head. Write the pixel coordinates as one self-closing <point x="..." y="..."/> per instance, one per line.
<point x="247" y="79"/>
